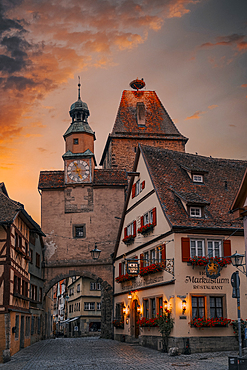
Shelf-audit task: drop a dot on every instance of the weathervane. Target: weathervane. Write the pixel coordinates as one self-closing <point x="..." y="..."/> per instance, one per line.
<point x="79" y="88"/>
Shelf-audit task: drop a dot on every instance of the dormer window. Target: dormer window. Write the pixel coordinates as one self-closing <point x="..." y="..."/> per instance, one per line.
<point x="76" y="141"/>
<point x="197" y="178"/>
<point x="195" y="212"/>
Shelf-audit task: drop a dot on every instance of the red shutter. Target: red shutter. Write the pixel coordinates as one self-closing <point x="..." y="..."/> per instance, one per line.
<point x="141" y="260"/>
<point x="134" y="229"/>
<point x="154" y="216"/>
<point x="133" y="190"/>
<point x="125" y="232"/>
<point x="227" y="248"/>
<point x="142" y="221"/>
<point x="120" y="268"/>
<point x="143" y="184"/>
<point x="185" y="249"/>
<point x="163" y="252"/>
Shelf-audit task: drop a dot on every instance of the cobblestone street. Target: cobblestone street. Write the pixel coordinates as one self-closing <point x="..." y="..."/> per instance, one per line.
<point x="104" y="354"/>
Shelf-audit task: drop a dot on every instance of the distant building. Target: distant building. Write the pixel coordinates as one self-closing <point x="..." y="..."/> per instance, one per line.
<point x="16" y="226"/>
<point x="176" y="220"/>
<point x="36" y="252"/>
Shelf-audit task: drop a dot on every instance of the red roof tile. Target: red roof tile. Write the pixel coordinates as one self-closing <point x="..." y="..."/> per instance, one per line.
<point x="110" y="177"/>
<point x="51" y="179"/>
<point x="173" y="185"/>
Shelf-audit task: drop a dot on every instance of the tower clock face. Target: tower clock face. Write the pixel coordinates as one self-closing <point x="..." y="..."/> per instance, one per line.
<point x="78" y="170"/>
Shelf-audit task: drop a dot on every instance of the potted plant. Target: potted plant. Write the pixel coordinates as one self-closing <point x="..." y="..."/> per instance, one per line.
<point x="145" y="228"/>
<point x="201" y="322"/>
<point x="123" y="278"/>
<point x="151" y="269"/>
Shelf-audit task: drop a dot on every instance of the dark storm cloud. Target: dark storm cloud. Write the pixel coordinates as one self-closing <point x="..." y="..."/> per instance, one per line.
<point x="18" y="83"/>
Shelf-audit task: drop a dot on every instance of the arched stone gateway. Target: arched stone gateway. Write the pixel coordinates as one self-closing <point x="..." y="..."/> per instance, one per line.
<point x="106" y="294"/>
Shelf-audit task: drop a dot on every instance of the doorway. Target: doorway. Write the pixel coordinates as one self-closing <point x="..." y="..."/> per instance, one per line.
<point x="136" y="317"/>
<point x="22" y="332"/>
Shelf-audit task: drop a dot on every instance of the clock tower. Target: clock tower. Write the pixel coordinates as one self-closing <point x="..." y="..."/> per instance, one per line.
<point x="79" y="160"/>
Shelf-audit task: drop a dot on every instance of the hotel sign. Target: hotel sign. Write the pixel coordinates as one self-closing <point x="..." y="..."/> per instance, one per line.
<point x="132" y="267"/>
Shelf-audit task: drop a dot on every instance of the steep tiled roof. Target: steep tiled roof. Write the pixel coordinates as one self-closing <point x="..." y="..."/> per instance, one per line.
<point x="110" y="177"/>
<point x="157" y="120"/>
<point x="51" y="179"/>
<point x="55" y="179"/>
<point x="8" y="209"/>
<point x="173" y="185"/>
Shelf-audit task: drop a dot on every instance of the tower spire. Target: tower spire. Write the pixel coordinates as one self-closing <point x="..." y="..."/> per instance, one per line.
<point x="79" y="88"/>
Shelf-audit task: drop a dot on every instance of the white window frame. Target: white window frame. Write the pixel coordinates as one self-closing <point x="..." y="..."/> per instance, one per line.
<point x="216" y="245"/>
<point x="197" y="178"/>
<point x="137" y="188"/>
<point x="89" y="306"/>
<point x="148" y="217"/>
<point x="130" y="229"/>
<point x="98" y="306"/>
<point x="197" y="247"/>
<point x="195" y="212"/>
<point x="146" y="259"/>
<point x="152" y="256"/>
<point x="78" y="288"/>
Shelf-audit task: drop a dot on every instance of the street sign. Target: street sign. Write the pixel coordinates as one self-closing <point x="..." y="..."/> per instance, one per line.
<point x="235" y="281"/>
<point x="75" y="328"/>
<point x="132" y="267"/>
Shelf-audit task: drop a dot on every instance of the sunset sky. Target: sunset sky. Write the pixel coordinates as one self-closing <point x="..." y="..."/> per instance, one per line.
<point x="191" y="52"/>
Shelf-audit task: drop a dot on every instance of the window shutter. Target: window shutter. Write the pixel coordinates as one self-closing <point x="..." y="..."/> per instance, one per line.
<point x="143" y="184"/>
<point x="141" y="260"/>
<point x="163" y="252"/>
<point x="154" y="216"/>
<point x="133" y="190"/>
<point x="120" y="268"/>
<point x="227" y="248"/>
<point x="185" y="249"/>
<point x="125" y="232"/>
<point x="142" y="221"/>
<point x="134" y="229"/>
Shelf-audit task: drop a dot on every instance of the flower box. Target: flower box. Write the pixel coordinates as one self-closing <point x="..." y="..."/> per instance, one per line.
<point x="203" y="261"/>
<point x="143" y="322"/>
<point x="118" y="324"/>
<point x="145" y="229"/>
<point x="128" y="239"/>
<point x="203" y="322"/>
<point x="123" y="278"/>
<point x="151" y="269"/>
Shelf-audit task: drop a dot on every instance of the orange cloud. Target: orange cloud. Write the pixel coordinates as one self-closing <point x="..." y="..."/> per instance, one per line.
<point x="212" y="106"/>
<point x="244" y="85"/>
<point x="235" y="40"/>
<point x="196" y="115"/>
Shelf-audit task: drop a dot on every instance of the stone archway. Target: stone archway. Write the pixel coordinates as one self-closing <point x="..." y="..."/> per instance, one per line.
<point x="106" y="296"/>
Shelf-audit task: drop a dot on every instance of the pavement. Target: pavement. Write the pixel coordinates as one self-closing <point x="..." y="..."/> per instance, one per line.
<point x="105" y="354"/>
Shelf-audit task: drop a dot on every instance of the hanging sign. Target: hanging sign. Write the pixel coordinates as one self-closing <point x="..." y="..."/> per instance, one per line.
<point x="132" y="267"/>
<point x="212" y="270"/>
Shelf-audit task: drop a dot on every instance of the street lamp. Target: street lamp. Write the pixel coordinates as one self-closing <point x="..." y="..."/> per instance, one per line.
<point x="237" y="261"/>
<point x="95" y="253"/>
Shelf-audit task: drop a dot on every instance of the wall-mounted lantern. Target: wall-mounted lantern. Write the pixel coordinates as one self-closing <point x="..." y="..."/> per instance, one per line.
<point x="184" y="304"/>
<point x="95" y="253"/>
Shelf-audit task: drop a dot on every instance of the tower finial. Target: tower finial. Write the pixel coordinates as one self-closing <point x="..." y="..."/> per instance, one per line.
<point x="79" y="88"/>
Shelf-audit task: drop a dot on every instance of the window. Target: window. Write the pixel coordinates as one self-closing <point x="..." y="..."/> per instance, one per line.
<point x="33" y="292"/>
<point x="38" y="260"/>
<point x="31" y="255"/>
<point x="25" y="288"/>
<point x="146" y="259"/>
<point x="198" y="307"/>
<point x="146" y="308"/>
<point x="160" y="303"/>
<point x="16" y="326"/>
<point x="195" y="211"/>
<point x="216" y="307"/>
<point x="26" y="248"/>
<point x="71" y="291"/>
<point x="95" y="286"/>
<point x="196" y="248"/>
<point x="79" y="231"/>
<point x="119" y="311"/>
<point x="78" y="288"/>
<point x="123" y="268"/>
<point x="76" y="141"/>
<point x="137" y="187"/>
<point x="152" y="256"/>
<point x="89" y="306"/>
<point x="153" y="307"/>
<point x="130" y="229"/>
<point x="98" y="306"/>
<point x="140" y="113"/>
<point x="148" y="217"/>
<point x="40" y="294"/>
<point x="214" y="249"/>
<point x="197" y="178"/>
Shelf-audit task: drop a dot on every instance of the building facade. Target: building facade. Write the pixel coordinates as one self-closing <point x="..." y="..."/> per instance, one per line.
<point x="177" y="225"/>
<point x="16" y="226"/>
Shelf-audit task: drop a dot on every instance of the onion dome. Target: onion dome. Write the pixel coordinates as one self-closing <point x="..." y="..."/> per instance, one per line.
<point x="79" y="110"/>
